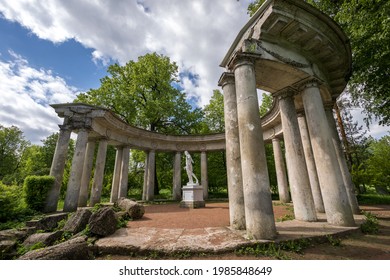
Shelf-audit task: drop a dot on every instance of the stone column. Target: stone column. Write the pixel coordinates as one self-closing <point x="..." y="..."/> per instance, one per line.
<point x="177" y="177"/>
<point x="349" y="186"/>
<point x="74" y="184"/>
<point x="281" y="176"/>
<point x="117" y="175"/>
<point x="259" y="215"/>
<point x="302" y="197"/>
<point x="337" y="208"/>
<point x="146" y="168"/>
<point x="124" y="178"/>
<point x="97" y="185"/>
<point x="203" y="174"/>
<point x="233" y="157"/>
<point x="311" y="166"/>
<point x="150" y="178"/>
<point x="57" y="168"/>
<point x="87" y="171"/>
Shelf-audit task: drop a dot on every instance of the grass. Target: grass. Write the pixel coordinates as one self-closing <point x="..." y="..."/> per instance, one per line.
<point x="371" y="224"/>
<point x="373" y="199"/>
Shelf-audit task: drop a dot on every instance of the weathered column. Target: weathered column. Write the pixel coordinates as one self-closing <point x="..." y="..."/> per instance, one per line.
<point x="281" y="176"/>
<point x="233" y="157"/>
<point x="87" y="171"/>
<point x="146" y="168"/>
<point x="124" y="177"/>
<point x="150" y="179"/>
<point x="97" y="185"/>
<point x="302" y="197"/>
<point x="74" y="184"/>
<point x="203" y="174"/>
<point x="349" y="186"/>
<point x="177" y="177"/>
<point x="259" y="215"/>
<point x="337" y="208"/>
<point x="57" y="168"/>
<point x="311" y="166"/>
<point x="117" y="175"/>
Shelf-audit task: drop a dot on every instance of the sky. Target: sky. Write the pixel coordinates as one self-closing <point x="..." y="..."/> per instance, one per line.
<point x="52" y="50"/>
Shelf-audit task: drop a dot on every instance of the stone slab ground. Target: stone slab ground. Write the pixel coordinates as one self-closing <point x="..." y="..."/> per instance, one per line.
<point x="170" y="229"/>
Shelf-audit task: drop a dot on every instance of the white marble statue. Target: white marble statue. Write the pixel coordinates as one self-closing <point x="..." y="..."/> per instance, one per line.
<point x="188" y="168"/>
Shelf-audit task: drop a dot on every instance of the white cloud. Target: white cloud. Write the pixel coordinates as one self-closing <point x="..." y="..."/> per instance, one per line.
<point x="194" y="33"/>
<point x="25" y="96"/>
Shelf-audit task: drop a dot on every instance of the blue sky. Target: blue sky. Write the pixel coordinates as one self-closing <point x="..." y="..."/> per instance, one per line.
<point x="52" y="50"/>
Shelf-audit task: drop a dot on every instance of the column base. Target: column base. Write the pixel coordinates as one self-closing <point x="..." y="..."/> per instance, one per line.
<point x="192" y="196"/>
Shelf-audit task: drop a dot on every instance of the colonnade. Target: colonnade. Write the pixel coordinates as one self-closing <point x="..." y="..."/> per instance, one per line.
<point x="77" y="192"/>
<point x="317" y="176"/>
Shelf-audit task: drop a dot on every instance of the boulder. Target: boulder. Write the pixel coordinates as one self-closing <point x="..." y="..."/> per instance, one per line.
<point x="16" y="234"/>
<point x="7" y="247"/>
<point x="47" y="238"/>
<point x="78" y="221"/>
<point x="48" y="222"/>
<point x="103" y="222"/>
<point x="73" y="249"/>
<point x="133" y="208"/>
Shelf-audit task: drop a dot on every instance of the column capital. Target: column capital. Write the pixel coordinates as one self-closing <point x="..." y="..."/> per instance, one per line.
<point x="285" y="93"/>
<point x="226" y="78"/>
<point x="241" y="59"/>
<point x="308" y="83"/>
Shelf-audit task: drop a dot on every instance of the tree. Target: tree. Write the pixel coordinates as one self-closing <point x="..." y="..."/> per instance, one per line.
<point x="266" y="103"/>
<point x="12" y="146"/>
<point x="143" y="94"/>
<point x="378" y="164"/>
<point x="214" y="113"/>
<point x="367" y="24"/>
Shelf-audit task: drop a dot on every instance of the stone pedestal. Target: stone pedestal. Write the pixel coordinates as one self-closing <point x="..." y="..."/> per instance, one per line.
<point x="192" y="196"/>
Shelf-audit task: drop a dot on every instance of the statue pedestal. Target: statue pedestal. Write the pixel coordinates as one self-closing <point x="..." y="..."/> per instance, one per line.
<point x="192" y="196"/>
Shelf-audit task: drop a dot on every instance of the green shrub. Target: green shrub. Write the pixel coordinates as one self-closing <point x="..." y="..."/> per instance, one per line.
<point x="10" y="202"/>
<point x="36" y="189"/>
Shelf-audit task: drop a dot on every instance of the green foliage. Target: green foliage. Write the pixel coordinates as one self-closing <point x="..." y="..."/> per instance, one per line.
<point x="12" y="145"/>
<point x="142" y="94"/>
<point x="378" y="165"/>
<point x="266" y="103"/>
<point x="259" y="250"/>
<point x="36" y="189"/>
<point x="370" y="225"/>
<point x="214" y="114"/>
<point x="24" y="249"/>
<point x="373" y="199"/>
<point x="334" y="241"/>
<point x="254" y="6"/>
<point x="10" y="202"/>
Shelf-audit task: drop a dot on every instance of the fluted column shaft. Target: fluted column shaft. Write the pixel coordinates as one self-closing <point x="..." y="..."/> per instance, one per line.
<point x="349" y="186"/>
<point x="233" y="157"/>
<point x="302" y="197"/>
<point x="203" y="174"/>
<point x="281" y="176"/>
<point x="74" y="184"/>
<point x="259" y="216"/>
<point x="57" y="168"/>
<point x="87" y="171"/>
<point x="116" y="175"/>
<point x="124" y="177"/>
<point x="177" y="177"/>
<point x="150" y="177"/>
<point x="337" y="208"/>
<point x="311" y="166"/>
<point x="97" y="185"/>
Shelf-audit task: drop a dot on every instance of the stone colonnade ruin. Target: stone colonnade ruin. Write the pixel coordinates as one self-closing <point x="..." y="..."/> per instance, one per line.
<point x="287" y="48"/>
